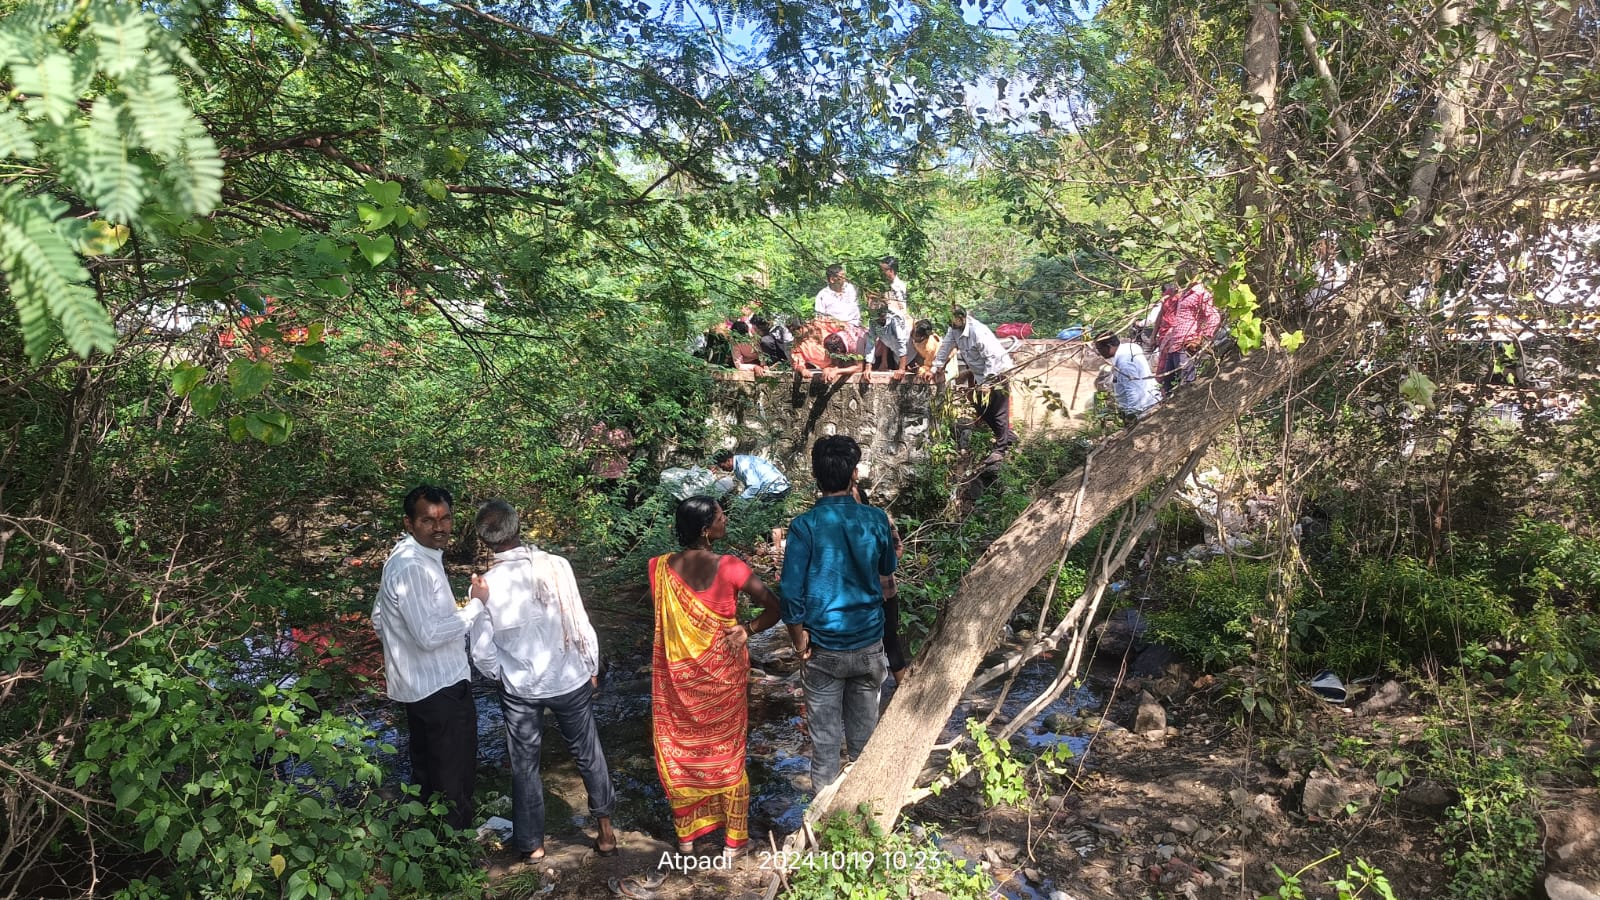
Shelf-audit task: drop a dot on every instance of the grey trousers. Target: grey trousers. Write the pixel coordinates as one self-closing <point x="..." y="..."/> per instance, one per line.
<point x="842" y="691"/>
<point x="574" y="714"/>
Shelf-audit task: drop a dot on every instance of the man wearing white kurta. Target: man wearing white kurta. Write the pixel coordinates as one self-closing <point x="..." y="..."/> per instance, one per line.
<point x="536" y="641"/>
<point x="423" y="632"/>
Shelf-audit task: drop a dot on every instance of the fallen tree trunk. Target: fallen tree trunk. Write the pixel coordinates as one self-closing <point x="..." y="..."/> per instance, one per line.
<point x="1119" y="468"/>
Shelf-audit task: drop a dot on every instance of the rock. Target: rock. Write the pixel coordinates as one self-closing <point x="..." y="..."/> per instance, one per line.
<point x="1105" y="828"/>
<point x="1121" y="632"/>
<point x="1152" y="716"/>
<point x="1222" y="872"/>
<point x="1059" y="723"/>
<point x="1152" y="661"/>
<point x="1325" y="796"/>
<point x="1558" y="888"/>
<point x="1185" y="825"/>
<point x="1032" y="875"/>
<point x="1384" y="697"/>
<point x="1426" y="796"/>
<point x="1203" y="835"/>
<point x="1061" y="895"/>
<point x="1055" y="802"/>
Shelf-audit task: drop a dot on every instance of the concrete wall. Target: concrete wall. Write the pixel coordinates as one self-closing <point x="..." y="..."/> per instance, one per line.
<point x="780" y="416"/>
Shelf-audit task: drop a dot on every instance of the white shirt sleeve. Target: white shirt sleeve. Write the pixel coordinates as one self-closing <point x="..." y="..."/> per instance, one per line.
<point x="427" y="610"/>
<point x="485" y="655"/>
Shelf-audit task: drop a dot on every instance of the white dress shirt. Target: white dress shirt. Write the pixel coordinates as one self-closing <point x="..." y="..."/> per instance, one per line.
<point x="1131" y="382"/>
<point x="981" y="351"/>
<point x="840" y="304"/>
<point x="422" y="632"/>
<point x="536" y="640"/>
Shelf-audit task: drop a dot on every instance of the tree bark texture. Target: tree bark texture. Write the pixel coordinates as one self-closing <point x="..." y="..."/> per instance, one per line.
<point x="1122" y="466"/>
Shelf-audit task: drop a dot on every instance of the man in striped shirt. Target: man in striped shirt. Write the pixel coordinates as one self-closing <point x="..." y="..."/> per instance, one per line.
<point x="423" y="630"/>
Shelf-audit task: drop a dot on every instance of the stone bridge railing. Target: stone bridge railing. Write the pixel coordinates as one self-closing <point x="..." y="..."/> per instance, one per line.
<point x="779" y="416"/>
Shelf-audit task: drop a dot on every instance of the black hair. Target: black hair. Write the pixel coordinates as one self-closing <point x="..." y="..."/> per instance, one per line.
<point x="833" y="461"/>
<point x="922" y="329"/>
<point x="834" y="344"/>
<point x="958" y="311"/>
<point x="693" y="516"/>
<point x="740" y="325"/>
<point x="429" y="493"/>
<point x="892" y="263"/>
<point x="835" y="269"/>
<point x="721" y="456"/>
<point x="760" y="323"/>
<point x="1107" y="342"/>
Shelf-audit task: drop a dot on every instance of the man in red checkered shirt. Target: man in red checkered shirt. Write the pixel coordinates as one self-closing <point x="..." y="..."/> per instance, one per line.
<point x="1188" y="319"/>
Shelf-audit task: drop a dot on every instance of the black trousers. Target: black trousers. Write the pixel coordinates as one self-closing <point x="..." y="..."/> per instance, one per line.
<point x="992" y="407"/>
<point x="444" y="749"/>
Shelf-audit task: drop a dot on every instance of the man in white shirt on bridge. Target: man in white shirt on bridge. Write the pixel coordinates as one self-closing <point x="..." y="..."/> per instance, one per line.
<point x="986" y="363"/>
<point x="423" y="631"/>
<point x="837" y="300"/>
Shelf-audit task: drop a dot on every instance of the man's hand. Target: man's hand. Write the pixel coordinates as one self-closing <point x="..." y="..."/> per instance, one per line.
<point x="480" y="588"/>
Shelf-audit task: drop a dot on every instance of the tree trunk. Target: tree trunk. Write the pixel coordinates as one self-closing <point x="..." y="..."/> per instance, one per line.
<point x="1255" y="201"/>
<point x="1115" y="471"/>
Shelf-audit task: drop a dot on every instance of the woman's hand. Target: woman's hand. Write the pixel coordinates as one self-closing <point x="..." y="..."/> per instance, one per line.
<point x="736" y="635"/>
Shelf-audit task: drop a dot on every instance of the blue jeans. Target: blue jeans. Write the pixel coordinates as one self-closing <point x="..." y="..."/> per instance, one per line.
<point x="574" y="714"/>
<point x="842" y="690"/>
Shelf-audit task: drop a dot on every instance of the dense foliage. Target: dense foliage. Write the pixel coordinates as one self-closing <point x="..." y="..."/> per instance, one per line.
<point x="266" y="266"/>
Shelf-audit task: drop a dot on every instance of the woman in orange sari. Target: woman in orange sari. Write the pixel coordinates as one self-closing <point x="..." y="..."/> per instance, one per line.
<point x="699" y="702"/>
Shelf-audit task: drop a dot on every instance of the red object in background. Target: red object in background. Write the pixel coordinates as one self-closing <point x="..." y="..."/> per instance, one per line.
<point x="242" y="333"/>
<point x="1018" y="330"/>
<point x="352" y="634"/>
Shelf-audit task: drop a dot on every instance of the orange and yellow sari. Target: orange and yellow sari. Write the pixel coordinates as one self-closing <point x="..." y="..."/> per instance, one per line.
<point x="699" y="711"/>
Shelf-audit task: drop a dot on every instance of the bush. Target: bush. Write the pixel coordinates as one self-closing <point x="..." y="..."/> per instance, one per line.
<point x="1208" y="617"/>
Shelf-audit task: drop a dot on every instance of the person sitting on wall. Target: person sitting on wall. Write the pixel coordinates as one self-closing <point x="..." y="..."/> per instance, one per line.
<point x="924" y="347"/>
<point x="761" y="479"/>
<point x="746" y="355"/>
<point x="774" y="340"/>
<point x="842" y="361"/>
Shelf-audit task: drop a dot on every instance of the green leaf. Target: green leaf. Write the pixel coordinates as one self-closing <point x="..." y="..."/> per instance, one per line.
<point x="185" y="377"/>
<point x="377" y="249"/>
<point x="237" y="430"/>
<point x="16" y="138"/>
<point x="160" y="117"/>
<point x="270" y="427"/>
<point x="46" y="278"/>
<point x="189" y="844"/>
<point x="334" y="287"/>
<point x="126" y="792"/>
<point x="118" y="181"/>
<point x="385" y="192"/>
<point x="205" y="399"/>
<point x="101" y="237"/>
<point x="49" y="87"/>
<point x="278" y="864"/>
<point x="1292" y="341"/>
<point x="124" y="37"/>
<point x="280" y="240"/>
<point x="1418" y="389"/>
<point x="374" y="217"/>
<point x="247" y="378"/>
<point x="435" y="188"/>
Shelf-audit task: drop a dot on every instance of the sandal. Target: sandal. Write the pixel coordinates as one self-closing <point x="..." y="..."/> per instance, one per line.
<point x="638" y="887"/>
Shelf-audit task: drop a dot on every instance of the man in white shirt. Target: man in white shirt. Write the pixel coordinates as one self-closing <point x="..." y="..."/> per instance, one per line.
<point x="891" y="319"/>
<point x="838" y="300"/>
<point x="423" y="632"/>
<point x="985" y="366"/>
<point x="536" y="641"/>
<point x="1133" y="386"/>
